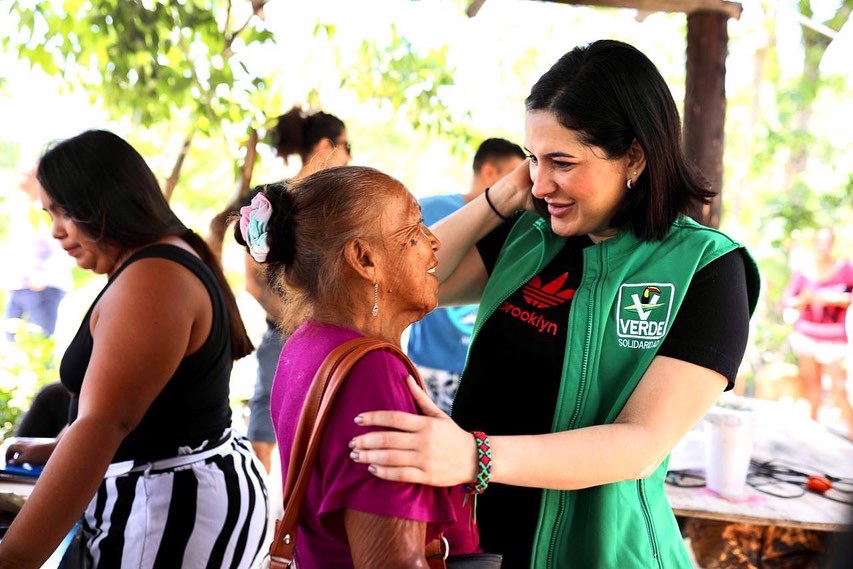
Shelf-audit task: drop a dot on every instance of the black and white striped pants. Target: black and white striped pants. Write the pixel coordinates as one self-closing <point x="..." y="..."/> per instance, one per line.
<point x="203" y="510"/>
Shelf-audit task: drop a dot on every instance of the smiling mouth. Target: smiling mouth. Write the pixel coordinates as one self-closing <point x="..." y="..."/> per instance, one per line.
<point x="559" y="209"/>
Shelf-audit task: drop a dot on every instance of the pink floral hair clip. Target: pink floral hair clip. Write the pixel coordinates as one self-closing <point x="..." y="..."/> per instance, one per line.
<point x="253" y="226"/>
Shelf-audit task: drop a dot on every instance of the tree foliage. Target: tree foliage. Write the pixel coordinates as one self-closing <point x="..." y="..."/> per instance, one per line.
<point x="187" y="66"/>
<point x="412" y="83"/>
<point x="26" y="364"/>
<point x="156" y="61"/>
<point x="146" y="59"/>
<point x="790" y="136"/>
<point x="794" y="177"/>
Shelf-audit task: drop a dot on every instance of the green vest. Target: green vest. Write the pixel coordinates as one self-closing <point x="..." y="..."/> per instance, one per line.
<point x="629" y="295"/>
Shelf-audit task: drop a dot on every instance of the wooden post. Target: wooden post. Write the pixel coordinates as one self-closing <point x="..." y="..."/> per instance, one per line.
<point x="705" y="103"/>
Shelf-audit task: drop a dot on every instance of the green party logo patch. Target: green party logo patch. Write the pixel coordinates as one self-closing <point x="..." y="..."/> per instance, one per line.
<point x="643" y="314"/>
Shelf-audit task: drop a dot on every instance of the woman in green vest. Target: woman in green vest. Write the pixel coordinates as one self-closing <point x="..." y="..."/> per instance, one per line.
<point x="609" y="324"/>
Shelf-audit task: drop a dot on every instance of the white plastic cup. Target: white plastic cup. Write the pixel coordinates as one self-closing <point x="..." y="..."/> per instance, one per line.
<point x="728" y="449"/>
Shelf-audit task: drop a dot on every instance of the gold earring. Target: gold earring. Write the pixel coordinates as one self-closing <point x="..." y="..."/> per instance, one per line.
<point x="375" y="311"/>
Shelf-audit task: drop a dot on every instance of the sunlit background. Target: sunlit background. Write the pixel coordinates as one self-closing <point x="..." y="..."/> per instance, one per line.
<point x="331" y="54"/>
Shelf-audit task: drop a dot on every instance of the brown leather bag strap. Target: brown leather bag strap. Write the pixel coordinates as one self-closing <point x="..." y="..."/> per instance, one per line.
<point x="301" y="465"/>
<point x="327" y="381"/>
<point x="436" y="553"/>
<point x="309" y="418"/>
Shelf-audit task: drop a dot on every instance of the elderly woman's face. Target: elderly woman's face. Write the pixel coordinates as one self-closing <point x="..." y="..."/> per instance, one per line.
<point x="408" y="283"/>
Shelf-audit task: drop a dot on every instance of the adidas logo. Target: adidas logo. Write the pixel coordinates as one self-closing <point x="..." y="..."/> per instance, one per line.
<point x="548" y="295"/>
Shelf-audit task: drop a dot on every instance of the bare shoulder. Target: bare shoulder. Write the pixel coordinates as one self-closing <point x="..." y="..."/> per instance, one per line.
<point x="155" y="284"/>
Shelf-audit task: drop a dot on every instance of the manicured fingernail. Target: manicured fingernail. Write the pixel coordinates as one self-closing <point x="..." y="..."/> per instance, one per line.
<point x="358" y="419"/>
<point x="351" y="444"/>
<point x="354" y="455"/>
<point x="371" y="469"/>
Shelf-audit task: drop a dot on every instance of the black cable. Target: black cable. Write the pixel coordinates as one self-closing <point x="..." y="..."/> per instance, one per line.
<point x="685" y="478"/>
<point x="769" y="476"/>
<point x="775" y="477"/>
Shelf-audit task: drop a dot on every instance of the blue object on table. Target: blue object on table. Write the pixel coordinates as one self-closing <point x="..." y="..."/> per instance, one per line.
<point x="25" y="469"/>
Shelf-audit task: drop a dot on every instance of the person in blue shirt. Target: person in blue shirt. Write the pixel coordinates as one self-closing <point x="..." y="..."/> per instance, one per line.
<point x="36" y="271"/>
<point x="438" y="343"/>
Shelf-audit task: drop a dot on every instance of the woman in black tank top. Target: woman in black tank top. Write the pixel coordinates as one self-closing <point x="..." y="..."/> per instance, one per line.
<point x="148" y="460"/>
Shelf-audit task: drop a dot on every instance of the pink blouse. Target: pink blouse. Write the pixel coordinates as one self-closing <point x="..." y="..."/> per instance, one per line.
<point x="817" y="320"/>
<point x="376" y="382"/>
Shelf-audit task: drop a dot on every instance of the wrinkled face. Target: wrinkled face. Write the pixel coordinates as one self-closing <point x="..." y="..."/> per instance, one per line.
<point x="581" y="187"/>
<point x="406" y="274"/>
<point x="88" y="253"/>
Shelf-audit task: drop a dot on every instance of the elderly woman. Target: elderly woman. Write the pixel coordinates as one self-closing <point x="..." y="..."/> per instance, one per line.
<point x="348" y="245"/>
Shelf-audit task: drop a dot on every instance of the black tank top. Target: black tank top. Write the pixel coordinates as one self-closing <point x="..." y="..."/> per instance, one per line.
<point x="194" y="404"/>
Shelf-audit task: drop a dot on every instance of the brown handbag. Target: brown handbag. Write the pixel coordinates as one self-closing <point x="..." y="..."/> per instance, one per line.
<point x="312" y="421"/>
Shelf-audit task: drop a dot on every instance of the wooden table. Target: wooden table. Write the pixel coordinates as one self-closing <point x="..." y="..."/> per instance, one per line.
<point x="783" y="435"/>
<point x="13" y="495"/>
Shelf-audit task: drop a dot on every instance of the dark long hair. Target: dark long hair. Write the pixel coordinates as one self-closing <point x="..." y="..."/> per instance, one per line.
<point x="611" y="94"/>
<point x="298" y="132"/>
<point x="104" y="185"/>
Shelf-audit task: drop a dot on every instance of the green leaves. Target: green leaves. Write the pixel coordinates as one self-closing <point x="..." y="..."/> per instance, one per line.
<point x="26" y="364"/>
<point x="409" y="81"/>
<point x="147" y="59"/>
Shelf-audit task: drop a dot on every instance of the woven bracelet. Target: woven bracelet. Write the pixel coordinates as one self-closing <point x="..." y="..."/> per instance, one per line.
<point x="491" y="205"/>
<point x="484" y="464"/>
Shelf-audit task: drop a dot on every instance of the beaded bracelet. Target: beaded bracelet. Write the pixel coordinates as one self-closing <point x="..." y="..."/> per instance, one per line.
<point x="484" y="464"/>
<point x="491" y="205"/>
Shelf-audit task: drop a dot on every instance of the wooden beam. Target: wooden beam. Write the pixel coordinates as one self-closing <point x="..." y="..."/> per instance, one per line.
<point x="705" y="104"/>
<point x="474" y="7"/>
<point x="730" y="9"/>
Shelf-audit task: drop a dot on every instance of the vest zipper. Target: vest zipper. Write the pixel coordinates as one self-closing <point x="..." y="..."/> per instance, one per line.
<point x="647" y="517"/>
<point x="576" y="413"/>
